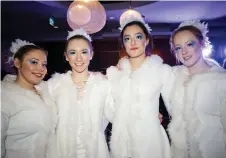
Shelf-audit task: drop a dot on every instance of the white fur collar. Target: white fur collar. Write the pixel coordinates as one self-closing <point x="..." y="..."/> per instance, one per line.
<point x="67" y="77"/>
<point x="213" y="69"/>
<point x="9" y="80"/>
<point x="125" y="63"/>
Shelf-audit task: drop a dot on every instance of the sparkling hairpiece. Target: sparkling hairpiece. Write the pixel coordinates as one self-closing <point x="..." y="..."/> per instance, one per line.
<point x="81" y="32"/>
<point x="15" y="46"/>
<point x="196" y="23"/>
<point x="132" y="18"/>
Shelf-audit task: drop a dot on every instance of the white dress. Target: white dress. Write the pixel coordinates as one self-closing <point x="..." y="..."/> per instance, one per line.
<point x="81" y="123"/>
<point x="198" y="110"/>
<point x="136" y="130"/>
<point x="27" y="121"/>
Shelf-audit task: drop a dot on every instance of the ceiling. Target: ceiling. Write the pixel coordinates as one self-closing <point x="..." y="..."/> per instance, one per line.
<point x="30" y="19"/>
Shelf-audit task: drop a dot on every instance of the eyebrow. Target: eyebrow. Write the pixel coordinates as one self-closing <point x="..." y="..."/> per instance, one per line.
<point x="84" y="49"/>
<point x="71" y="50"/>
<point x="135" y="34"/>
<point x="186" y="42"/>
<point x="139" y="33"/>
<point x="176" y="45"/>
<point x="34" y="59"/>
<point x="190" y="41"/>
<point x="75" y="50"/>
<point x="126" y="35"/>
<point x="38" y="60"/>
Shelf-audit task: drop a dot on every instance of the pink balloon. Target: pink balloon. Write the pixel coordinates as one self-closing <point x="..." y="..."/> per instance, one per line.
<point x="90" y="15"/>
<point x="79" y="14"/>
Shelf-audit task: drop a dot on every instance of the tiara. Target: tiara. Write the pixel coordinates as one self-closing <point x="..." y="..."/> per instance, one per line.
<point x="196" y="23"/>
<point x="132" y="18"/>
<point x="15" y="46"/>
<point x="81" y="32"/>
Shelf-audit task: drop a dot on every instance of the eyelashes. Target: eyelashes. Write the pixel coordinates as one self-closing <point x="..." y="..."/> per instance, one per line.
<point x="188" y="46"/>
<point x="71" y="53"/>
<point x="84" y="52"/>
<point x="44" y="65"/>
<point x="177" y="49"/>
<point x="35" y="62"/>
<point x="74" y="53"/>
<point x="137" y="37"/>
<point x="191" y="44"/>
<point x="126" y="39"/>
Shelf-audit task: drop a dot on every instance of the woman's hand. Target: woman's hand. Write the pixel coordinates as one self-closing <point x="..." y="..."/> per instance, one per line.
<point x="160" y="118"/>
<point x="120" y="60"/>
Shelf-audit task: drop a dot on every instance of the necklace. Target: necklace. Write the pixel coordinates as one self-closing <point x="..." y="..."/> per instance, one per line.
<point x="188" y="79"/>
<point x="36" y="92"/>
<point x="80" y="85"/>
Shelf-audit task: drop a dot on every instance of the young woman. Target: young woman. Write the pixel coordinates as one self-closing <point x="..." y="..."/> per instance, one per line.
<point x="82" y="99"/>
<point x="28" y="115"/>
<point x="198" y="98"/>
<point x="136" y="89"/>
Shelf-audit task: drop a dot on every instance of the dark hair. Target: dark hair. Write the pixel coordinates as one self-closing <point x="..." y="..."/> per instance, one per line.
<point x="20" y="54"/>
<point x="141" y="25"/>
<point x="78" y="37"/>
<point x="192" y="29"/>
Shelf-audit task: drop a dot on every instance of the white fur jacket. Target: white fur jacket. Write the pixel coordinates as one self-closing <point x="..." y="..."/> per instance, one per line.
<point x="198" y="110"/>
<point x="96" y="104"/>
<point x="137" y="132"/>
<point x="28" y="121"/>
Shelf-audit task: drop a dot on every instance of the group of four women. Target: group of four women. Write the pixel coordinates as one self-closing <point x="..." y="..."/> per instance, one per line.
<point x="65" y="117"/>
